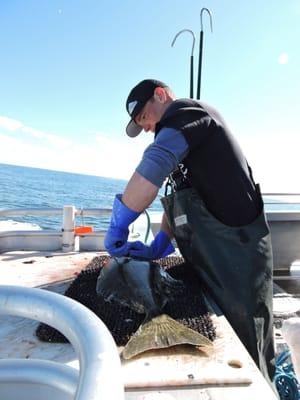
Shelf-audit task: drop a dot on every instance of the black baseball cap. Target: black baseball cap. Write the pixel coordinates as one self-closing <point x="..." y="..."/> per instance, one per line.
<point x="137" y="99"/>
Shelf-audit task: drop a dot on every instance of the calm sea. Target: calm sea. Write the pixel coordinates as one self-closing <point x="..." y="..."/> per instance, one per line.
<point x="23" y="187"/>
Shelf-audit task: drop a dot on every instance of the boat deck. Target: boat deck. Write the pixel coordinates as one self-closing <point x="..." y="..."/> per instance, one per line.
<point x="225" y="372"/>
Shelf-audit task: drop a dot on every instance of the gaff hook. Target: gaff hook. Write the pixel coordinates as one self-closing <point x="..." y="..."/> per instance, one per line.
<point x="201" y="48"/>
<point x="192" y="59"/>
<point x="201" y="18"/>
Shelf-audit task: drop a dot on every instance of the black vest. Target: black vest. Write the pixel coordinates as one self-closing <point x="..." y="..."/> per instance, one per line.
<point x="215" y="165"/>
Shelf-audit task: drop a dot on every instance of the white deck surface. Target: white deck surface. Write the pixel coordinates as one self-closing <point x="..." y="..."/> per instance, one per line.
<point x="226" y="372"/>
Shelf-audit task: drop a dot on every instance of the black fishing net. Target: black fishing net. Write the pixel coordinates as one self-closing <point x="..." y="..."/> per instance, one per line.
<point x="189" y="308"/>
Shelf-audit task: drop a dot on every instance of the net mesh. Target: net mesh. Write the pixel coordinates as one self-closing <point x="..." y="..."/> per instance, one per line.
<point x="189" y="308"/>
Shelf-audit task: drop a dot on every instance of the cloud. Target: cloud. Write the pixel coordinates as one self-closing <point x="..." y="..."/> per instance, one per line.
<point x="273" y="157"/>
<point x="33" y="132"/>
<point x="101" y="155"/>
<point x="119" y="155"/>
<point x="283" y="58"/>
<point x="58" y="141"/>
<point x="9" y="124"/>
<point x="274" y="161"/>
<point x="13" y="125"/>
<point x="55" y="140"/>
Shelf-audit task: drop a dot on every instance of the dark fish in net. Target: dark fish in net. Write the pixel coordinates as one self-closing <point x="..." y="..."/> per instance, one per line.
<point x="189" y="308"/>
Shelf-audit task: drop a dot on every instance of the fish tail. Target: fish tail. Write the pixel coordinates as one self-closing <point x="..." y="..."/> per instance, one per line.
<point x="161" y="332"/>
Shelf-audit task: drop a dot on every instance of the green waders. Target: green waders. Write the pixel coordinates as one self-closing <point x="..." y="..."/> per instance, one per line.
<point x="235" y="265"/>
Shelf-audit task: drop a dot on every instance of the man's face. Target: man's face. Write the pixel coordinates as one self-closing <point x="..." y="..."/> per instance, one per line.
<point x="150" y="115"/>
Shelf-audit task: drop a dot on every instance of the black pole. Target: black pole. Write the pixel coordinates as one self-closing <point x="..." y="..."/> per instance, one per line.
<point x="200" y="66"/>
<point x="192" y="78"/>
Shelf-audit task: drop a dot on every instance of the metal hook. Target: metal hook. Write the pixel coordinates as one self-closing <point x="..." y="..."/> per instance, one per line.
<point x="192" y="59"/>
<point x="201" y="18"/>
<point x="201" y="48"/>
<point x="185" y="30"/>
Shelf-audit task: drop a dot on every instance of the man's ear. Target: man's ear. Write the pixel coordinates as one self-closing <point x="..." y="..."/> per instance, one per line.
<point x="160" y="95"/>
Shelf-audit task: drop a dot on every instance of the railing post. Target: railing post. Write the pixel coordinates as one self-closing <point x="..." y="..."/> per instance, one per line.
<point x="68" y="229"/>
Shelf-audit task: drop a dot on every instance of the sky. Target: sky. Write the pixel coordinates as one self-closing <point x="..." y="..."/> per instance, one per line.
<point x="67" y="67"/>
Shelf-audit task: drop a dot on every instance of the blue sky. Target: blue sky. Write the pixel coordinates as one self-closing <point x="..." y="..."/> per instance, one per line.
<point x="67" y="67"/>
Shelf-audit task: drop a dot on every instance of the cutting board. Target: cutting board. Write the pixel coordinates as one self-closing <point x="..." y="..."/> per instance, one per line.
<point x="227" y="362"/>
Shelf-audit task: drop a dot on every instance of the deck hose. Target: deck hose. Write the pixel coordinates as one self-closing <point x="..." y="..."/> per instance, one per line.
<point x="285" y="378"/>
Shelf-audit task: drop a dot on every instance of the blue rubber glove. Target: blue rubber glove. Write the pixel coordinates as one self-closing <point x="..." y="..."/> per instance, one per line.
<point x="160" y="247"/>
<point x="116" y="237"/>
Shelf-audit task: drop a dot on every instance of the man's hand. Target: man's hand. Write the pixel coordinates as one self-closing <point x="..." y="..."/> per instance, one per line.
<point x="160" y="247"/>
<point x="116" y="237"/>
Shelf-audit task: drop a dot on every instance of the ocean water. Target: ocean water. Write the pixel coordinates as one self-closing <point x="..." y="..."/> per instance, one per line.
<point x="23" y="187"/>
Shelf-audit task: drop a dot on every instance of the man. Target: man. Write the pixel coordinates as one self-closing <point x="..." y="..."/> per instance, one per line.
<point x="215" y="210"/>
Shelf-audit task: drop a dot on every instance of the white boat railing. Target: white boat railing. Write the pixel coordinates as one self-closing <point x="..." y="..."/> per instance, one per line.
<point x="282" y="200"/>
<point x="65" y="239"/>
<point x="40" y="211"/>
<point x="97" y="352"/>
<point x="69" y="238"/>
<point x="284" y="225"/>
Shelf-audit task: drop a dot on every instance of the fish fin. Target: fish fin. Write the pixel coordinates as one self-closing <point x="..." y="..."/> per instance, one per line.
<point x="161" y="332"/>
<point x="103" y="293"/>
<point x="164" y="285"/>
<point x="113" y="295"/>
<point x="107" y="295"/>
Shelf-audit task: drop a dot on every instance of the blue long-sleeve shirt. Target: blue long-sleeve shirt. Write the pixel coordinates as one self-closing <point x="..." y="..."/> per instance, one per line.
<point x="162" y="156"/>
